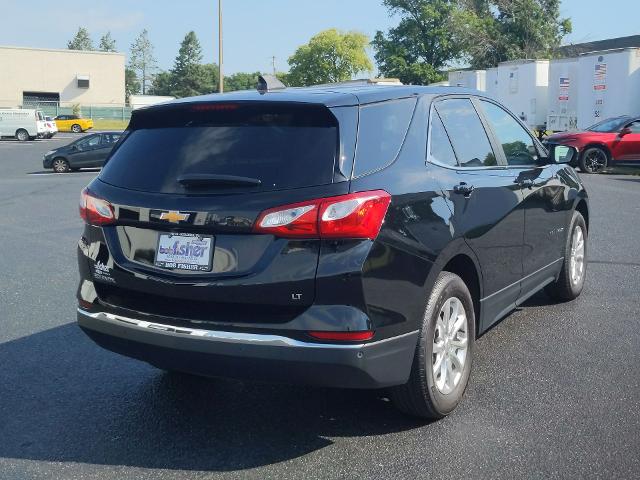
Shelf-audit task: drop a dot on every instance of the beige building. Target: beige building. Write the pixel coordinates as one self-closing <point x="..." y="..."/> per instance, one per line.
<point x="29" y="75"/>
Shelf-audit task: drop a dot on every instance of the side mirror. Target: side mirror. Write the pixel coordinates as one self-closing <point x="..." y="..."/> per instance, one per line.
<point x="562" y="154"/>
<point x="625" y="131"/>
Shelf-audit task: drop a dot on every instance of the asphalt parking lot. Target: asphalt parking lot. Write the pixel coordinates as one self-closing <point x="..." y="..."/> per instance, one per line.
<point x="555" y="391"/>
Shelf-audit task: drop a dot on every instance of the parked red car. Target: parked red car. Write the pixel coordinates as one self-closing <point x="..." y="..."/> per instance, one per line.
<point x="614" y="141"/>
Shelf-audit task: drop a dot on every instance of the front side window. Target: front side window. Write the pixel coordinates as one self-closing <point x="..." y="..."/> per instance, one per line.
<point x="635" y="127"/>
<point x="89" y="142"/>
<point x="466" y="132"/>
<point x="519" y="147"/>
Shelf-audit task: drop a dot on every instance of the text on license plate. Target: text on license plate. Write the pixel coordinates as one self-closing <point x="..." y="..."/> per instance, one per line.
<point x="184" y="251"/>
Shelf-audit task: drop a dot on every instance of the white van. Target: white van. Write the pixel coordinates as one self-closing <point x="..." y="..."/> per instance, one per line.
<point x="22" y="123"/>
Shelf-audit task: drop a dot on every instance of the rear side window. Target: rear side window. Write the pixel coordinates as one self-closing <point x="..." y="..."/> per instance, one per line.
<point x="440" y="149"/>
<point x="282" y="145"/>
<point x="466" y="132"/>
<point x="381" y="132"/>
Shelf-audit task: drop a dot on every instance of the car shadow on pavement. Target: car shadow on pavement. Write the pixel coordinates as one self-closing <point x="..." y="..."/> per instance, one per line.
<point x="51" y="172"/>
<point x="62" y="399"/>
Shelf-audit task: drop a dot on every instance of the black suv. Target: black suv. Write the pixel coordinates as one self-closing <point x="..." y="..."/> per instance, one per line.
<point x="344" y="236"/>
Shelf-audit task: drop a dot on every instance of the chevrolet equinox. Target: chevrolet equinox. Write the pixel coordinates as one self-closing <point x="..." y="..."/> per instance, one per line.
<point x="344" y="236"/>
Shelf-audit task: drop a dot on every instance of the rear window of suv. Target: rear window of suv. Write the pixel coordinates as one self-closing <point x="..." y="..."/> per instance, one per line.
<point x="282" y="145"/>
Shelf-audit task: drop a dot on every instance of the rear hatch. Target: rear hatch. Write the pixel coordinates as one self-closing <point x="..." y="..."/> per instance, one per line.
<point x="186" y="186"/>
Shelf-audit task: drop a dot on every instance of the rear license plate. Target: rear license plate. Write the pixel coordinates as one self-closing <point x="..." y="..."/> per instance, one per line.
<point x="184" y="251"/>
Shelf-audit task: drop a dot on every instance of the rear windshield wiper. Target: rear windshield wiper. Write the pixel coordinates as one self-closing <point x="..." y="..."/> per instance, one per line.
<point x="206" y="180"/>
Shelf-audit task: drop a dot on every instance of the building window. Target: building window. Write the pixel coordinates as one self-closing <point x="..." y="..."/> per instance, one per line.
<point x="83" y="81"/>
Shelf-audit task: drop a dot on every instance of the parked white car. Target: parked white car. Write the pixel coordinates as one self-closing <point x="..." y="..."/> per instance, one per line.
<point x="22" y="123"/>
<point x="51" y="127"/>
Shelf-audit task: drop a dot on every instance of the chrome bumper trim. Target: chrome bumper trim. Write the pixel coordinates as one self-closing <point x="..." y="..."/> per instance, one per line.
<point x="226" y="337"/>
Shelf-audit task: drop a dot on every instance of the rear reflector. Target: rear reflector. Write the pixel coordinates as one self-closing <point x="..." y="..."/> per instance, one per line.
<point x="343" y="336"/>
<point x="95" y="210"/>
<point x="356" y="215"/>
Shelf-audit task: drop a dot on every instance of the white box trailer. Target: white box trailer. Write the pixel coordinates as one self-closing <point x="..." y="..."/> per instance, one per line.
<point x="562" y="113"/>
<point x="492" y="82"/>
<point x="139" y="101"/>
<point x="22" y="123"/>
<point x="523" y="87"/>
<point x="609" y="85"/>
<point x="475" y="79"/>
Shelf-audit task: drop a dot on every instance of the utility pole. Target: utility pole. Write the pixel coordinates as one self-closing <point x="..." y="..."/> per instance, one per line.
<point x="220" y="58"/>
<point x="273" y="62"/>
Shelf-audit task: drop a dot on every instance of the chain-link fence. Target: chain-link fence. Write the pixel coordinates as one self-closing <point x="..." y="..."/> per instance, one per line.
<point x="95" y="112"/>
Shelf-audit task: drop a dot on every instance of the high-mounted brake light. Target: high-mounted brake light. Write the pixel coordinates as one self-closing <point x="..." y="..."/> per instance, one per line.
<point x="343" y="336"/>
<point x="94" y="210"/>
<point x="355" y="215"/>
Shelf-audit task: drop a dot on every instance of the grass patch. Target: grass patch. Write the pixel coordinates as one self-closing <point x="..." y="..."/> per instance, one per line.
<point x="109" y="124"/>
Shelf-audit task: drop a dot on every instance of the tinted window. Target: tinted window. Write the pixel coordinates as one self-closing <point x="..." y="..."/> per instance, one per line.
<point x="518" y="146"/>
<point x="635" y="127"/>
<point x="610" y="125"/>
<point x="466" y="132"/>
<point x="89" y="142"/>
<point x="381" y="132"/>
<point x="283" y="146"/>
<point x="109" y="138"/>
<point x="440" y="149"/>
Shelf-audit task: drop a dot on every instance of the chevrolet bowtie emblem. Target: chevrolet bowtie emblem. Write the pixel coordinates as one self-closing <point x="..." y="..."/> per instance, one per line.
<point x="174" y="217"/>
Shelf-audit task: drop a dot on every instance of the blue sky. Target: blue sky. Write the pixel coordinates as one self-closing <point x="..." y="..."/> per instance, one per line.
<point x="254" y="30"/>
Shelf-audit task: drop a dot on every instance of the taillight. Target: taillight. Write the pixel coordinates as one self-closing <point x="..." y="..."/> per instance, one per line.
<point x="359" y="336"/>
<point x="94" y="210"/>
<point x="355" y="215"/>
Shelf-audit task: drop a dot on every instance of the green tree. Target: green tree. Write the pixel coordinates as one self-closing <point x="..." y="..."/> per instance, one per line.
<point x="493" y="31"/>
<point x="107" y="43"/>
<point x="241" y="81"/>
<point x="131" y="83"/>
<point x="141" y="59"/>
<point x="189" y="78"/>
<point x="330" y="56"/>
<point x="81" y="40"/>
<point x="422" y="45"/>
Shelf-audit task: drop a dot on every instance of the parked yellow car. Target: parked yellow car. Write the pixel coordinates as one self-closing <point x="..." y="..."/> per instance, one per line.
<point x="73" y="123"/>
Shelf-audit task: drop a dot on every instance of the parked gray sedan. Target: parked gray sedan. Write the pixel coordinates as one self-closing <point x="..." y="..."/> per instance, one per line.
<point x="86" y="152"/>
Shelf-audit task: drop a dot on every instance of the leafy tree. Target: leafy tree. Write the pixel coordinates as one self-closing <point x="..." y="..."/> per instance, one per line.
<point x="422" y="45"/>
<point x="81" y="40"/>
<point x="330" y="56"/>
<point x="241" y="81"/>
<point x="131" y="83"/>
<point x="189" y="78"/>
<point x="494" y="31"/>
<point x="142" y="60"/>
<point x="107" y="43"/>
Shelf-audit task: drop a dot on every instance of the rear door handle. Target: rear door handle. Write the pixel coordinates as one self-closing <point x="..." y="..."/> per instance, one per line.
<point x="463" y="188"/>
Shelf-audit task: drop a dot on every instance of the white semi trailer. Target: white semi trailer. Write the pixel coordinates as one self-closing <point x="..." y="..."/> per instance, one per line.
<point x="609" y="85"/>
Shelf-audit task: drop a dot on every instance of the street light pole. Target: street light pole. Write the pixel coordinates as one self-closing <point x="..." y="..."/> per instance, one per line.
<point x="220" y="58"/>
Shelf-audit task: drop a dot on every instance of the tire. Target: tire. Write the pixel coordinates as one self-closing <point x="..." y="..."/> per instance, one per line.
<point x="571" y="280"/>
<point x="593" y="160"/>
<point x="425" y="395"/>
<point x="22" y="135"/>
<point x="75" y="128"/>
<point x="60" y="165"/>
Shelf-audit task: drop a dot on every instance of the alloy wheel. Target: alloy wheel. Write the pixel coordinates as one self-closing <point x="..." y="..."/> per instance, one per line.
<point x="576" y="265"/>
<point x="595" y="161"/>
<point x="450" y="344"/>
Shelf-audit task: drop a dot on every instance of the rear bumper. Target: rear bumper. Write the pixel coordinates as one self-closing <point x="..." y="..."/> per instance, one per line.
<point x="260" y="357"/>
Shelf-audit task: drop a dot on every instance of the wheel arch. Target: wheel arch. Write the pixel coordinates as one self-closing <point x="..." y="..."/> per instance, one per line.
<point x="583" y="208"/>
<point x="602" y="146"/>
<point x="459" y="259"/>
